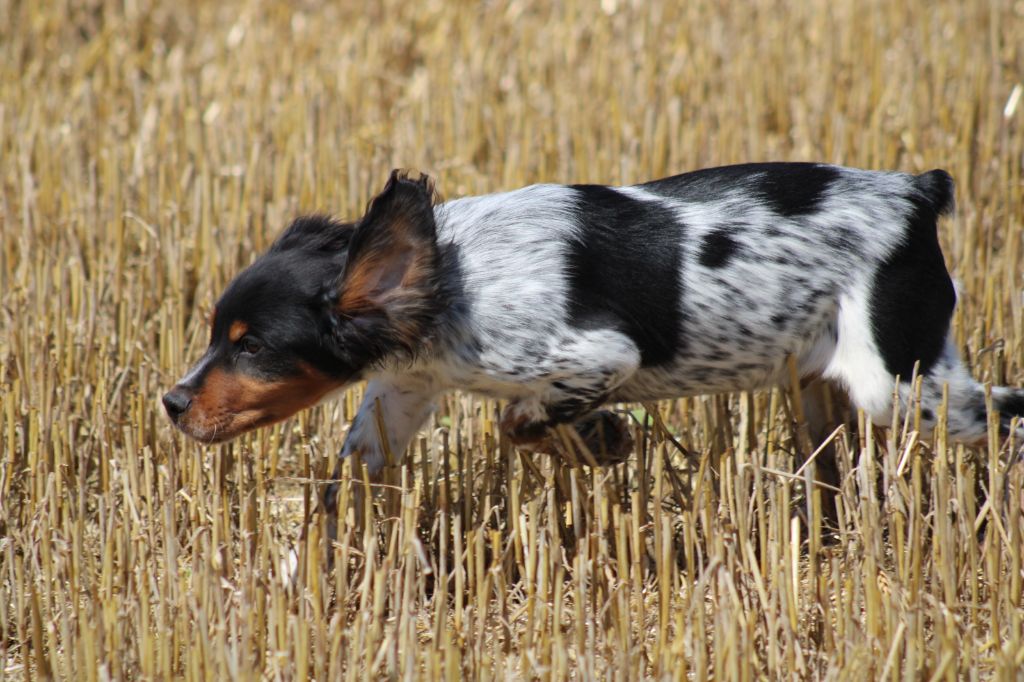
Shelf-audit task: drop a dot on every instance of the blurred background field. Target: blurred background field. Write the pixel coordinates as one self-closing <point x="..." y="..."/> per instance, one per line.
<point x="149" y="150"/>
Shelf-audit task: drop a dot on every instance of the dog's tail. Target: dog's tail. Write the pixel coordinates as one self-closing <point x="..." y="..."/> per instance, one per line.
<point x="936" y="191"/>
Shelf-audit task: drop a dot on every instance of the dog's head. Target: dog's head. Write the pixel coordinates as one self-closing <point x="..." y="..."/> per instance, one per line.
<point x="327" y="301"/>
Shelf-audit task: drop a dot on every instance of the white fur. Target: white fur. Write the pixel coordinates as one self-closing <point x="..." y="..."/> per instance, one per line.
<point x="856" y="362"/>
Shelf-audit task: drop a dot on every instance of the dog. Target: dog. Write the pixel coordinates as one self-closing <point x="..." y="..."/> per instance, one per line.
<point x="560" y="298"/>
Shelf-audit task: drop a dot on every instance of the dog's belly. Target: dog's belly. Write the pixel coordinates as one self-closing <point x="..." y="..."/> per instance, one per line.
<point x="746" y="363"/>
<point x="685" y="379"/>
<point x="741" y="325"/>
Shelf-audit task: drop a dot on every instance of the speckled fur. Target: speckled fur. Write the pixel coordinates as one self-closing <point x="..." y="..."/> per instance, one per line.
<point x="763" y="277"/>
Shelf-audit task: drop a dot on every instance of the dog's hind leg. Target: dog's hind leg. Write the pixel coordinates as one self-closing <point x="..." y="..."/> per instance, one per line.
<point x="863" y="364"/>
<point x="967" y="415"/>
<point x="824" y="410"/>
<point x="894" y="322"/>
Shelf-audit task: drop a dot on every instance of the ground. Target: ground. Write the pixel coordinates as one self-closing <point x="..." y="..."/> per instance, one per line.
<point x="149" y="150"/>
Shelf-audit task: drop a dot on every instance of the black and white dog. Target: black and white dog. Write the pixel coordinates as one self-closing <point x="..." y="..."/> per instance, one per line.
<point x="559" y="298"/>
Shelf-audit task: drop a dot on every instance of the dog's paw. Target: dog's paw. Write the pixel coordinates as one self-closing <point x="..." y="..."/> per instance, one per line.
<point x="607" y="437"/>
<point x="525" y="422"/>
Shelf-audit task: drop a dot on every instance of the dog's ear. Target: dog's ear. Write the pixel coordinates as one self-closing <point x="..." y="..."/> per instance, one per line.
<point x="390" y="276"/>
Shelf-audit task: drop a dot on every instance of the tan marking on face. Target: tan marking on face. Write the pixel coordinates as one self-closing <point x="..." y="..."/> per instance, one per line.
<point x="237" y="330"/>
<point x="231" y="403"/>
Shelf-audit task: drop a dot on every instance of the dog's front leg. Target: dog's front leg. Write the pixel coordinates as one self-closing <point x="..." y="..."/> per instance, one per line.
<point x="394" y="407"/>
<point x="587" y="374"/>
<point x="532" y="426"/>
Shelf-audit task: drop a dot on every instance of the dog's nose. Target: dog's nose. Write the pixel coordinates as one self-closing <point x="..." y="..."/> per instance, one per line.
<point x="176" y="401"/>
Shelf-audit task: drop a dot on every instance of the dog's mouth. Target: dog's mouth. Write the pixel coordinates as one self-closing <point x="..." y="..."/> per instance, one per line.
<point x="221" y="430"/>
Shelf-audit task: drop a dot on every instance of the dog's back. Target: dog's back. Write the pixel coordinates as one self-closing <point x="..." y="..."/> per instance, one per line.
<point x="716" y="276"/>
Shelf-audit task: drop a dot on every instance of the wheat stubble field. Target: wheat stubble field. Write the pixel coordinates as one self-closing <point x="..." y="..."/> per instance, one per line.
<point x="149" y="150"/>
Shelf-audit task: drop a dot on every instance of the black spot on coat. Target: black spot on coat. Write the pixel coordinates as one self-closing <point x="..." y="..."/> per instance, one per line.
<point x="717" y="248"/>
<point x="625" y="270"/>
<point x="912" y="296"/>
<point x="789" y="189"/>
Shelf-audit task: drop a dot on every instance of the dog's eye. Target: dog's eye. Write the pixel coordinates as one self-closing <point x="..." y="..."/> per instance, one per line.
<point x="250" y="346"/>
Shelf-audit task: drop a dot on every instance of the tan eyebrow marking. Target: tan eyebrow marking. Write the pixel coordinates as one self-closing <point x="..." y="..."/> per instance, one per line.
<point x="237" y="331"/>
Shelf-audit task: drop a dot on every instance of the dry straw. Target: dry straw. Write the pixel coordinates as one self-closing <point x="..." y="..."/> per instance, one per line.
<point x="150" y="149"/>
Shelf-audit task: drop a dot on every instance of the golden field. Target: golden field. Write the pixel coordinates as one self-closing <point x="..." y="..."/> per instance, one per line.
<point x="150" y="150"/>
